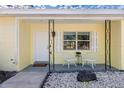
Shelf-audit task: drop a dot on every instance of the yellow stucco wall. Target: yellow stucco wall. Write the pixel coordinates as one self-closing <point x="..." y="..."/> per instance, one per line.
<point x="122" y="44"/>
<point x="99" y="28"/>
<point x="9" y="43"/>
<point x="116" y="44"/>
<point x="8" y="40"/>
<point x="24" y="45"/>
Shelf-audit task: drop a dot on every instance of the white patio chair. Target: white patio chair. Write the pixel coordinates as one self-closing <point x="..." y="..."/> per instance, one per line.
<point x="84" y="59"/>
<point x="89" y="59"/>
<point x="69" y="61"/>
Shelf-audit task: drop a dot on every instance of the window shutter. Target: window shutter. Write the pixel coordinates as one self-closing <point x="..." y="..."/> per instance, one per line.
<point x="58" y="42"/>
<point x="94" y="41"/>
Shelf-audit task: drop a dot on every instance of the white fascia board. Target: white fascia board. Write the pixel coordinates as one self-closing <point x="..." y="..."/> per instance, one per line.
<point x="82" y="18"/>
<point x="99" y="14"/>
<point x="59" y="11"/>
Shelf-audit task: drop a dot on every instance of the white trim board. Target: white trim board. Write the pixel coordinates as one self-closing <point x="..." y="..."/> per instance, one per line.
<point x="59" y="11"/>
<point x="99" y="14"/>
<point x="69" y="17"/>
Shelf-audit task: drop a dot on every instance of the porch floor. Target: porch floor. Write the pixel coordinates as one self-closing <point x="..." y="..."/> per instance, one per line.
<point x="73" y="68"/>
<point x="31" y="77"/>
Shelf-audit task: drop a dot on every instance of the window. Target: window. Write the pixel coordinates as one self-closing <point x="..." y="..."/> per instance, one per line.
<point x="76" y="40"/>
<point x="83" y="41"/>
<point x="69" y="40"/>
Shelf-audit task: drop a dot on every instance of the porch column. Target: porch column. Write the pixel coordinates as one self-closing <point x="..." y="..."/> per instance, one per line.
<point x="107" y="43"/>
<point x="51" y="44"/>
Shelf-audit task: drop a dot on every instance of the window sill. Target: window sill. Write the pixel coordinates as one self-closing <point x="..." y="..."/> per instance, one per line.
<point x="77" y="50"/>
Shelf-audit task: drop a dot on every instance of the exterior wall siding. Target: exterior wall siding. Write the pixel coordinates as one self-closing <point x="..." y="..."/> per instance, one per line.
<point x="99" y="28"/>
<point x="116" y="44"/>
<point x="24" y="45"/>
<point x="8" y="41"/>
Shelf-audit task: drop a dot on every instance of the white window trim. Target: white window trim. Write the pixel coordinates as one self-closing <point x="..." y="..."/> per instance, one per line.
<point x="59" y="42"/>
<point x="76" y="42"/>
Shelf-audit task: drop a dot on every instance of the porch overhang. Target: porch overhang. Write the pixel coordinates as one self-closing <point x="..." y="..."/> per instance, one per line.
<point x="65" y="13"/>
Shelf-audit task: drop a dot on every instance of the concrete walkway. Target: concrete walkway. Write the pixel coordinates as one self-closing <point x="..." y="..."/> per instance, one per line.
<point x="31" y="77"/>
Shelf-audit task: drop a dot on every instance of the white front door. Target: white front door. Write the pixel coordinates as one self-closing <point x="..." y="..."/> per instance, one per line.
<point x="41" y="46"/>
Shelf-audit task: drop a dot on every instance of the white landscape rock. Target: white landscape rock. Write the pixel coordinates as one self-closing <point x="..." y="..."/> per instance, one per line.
<point x="69" y="80"/>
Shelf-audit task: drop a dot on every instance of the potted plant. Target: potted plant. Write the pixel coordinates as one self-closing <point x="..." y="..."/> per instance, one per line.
<point x="78" y="55"/>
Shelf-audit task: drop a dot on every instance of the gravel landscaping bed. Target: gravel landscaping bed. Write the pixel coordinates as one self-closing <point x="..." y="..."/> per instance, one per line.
<point x="69" y="80"/>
